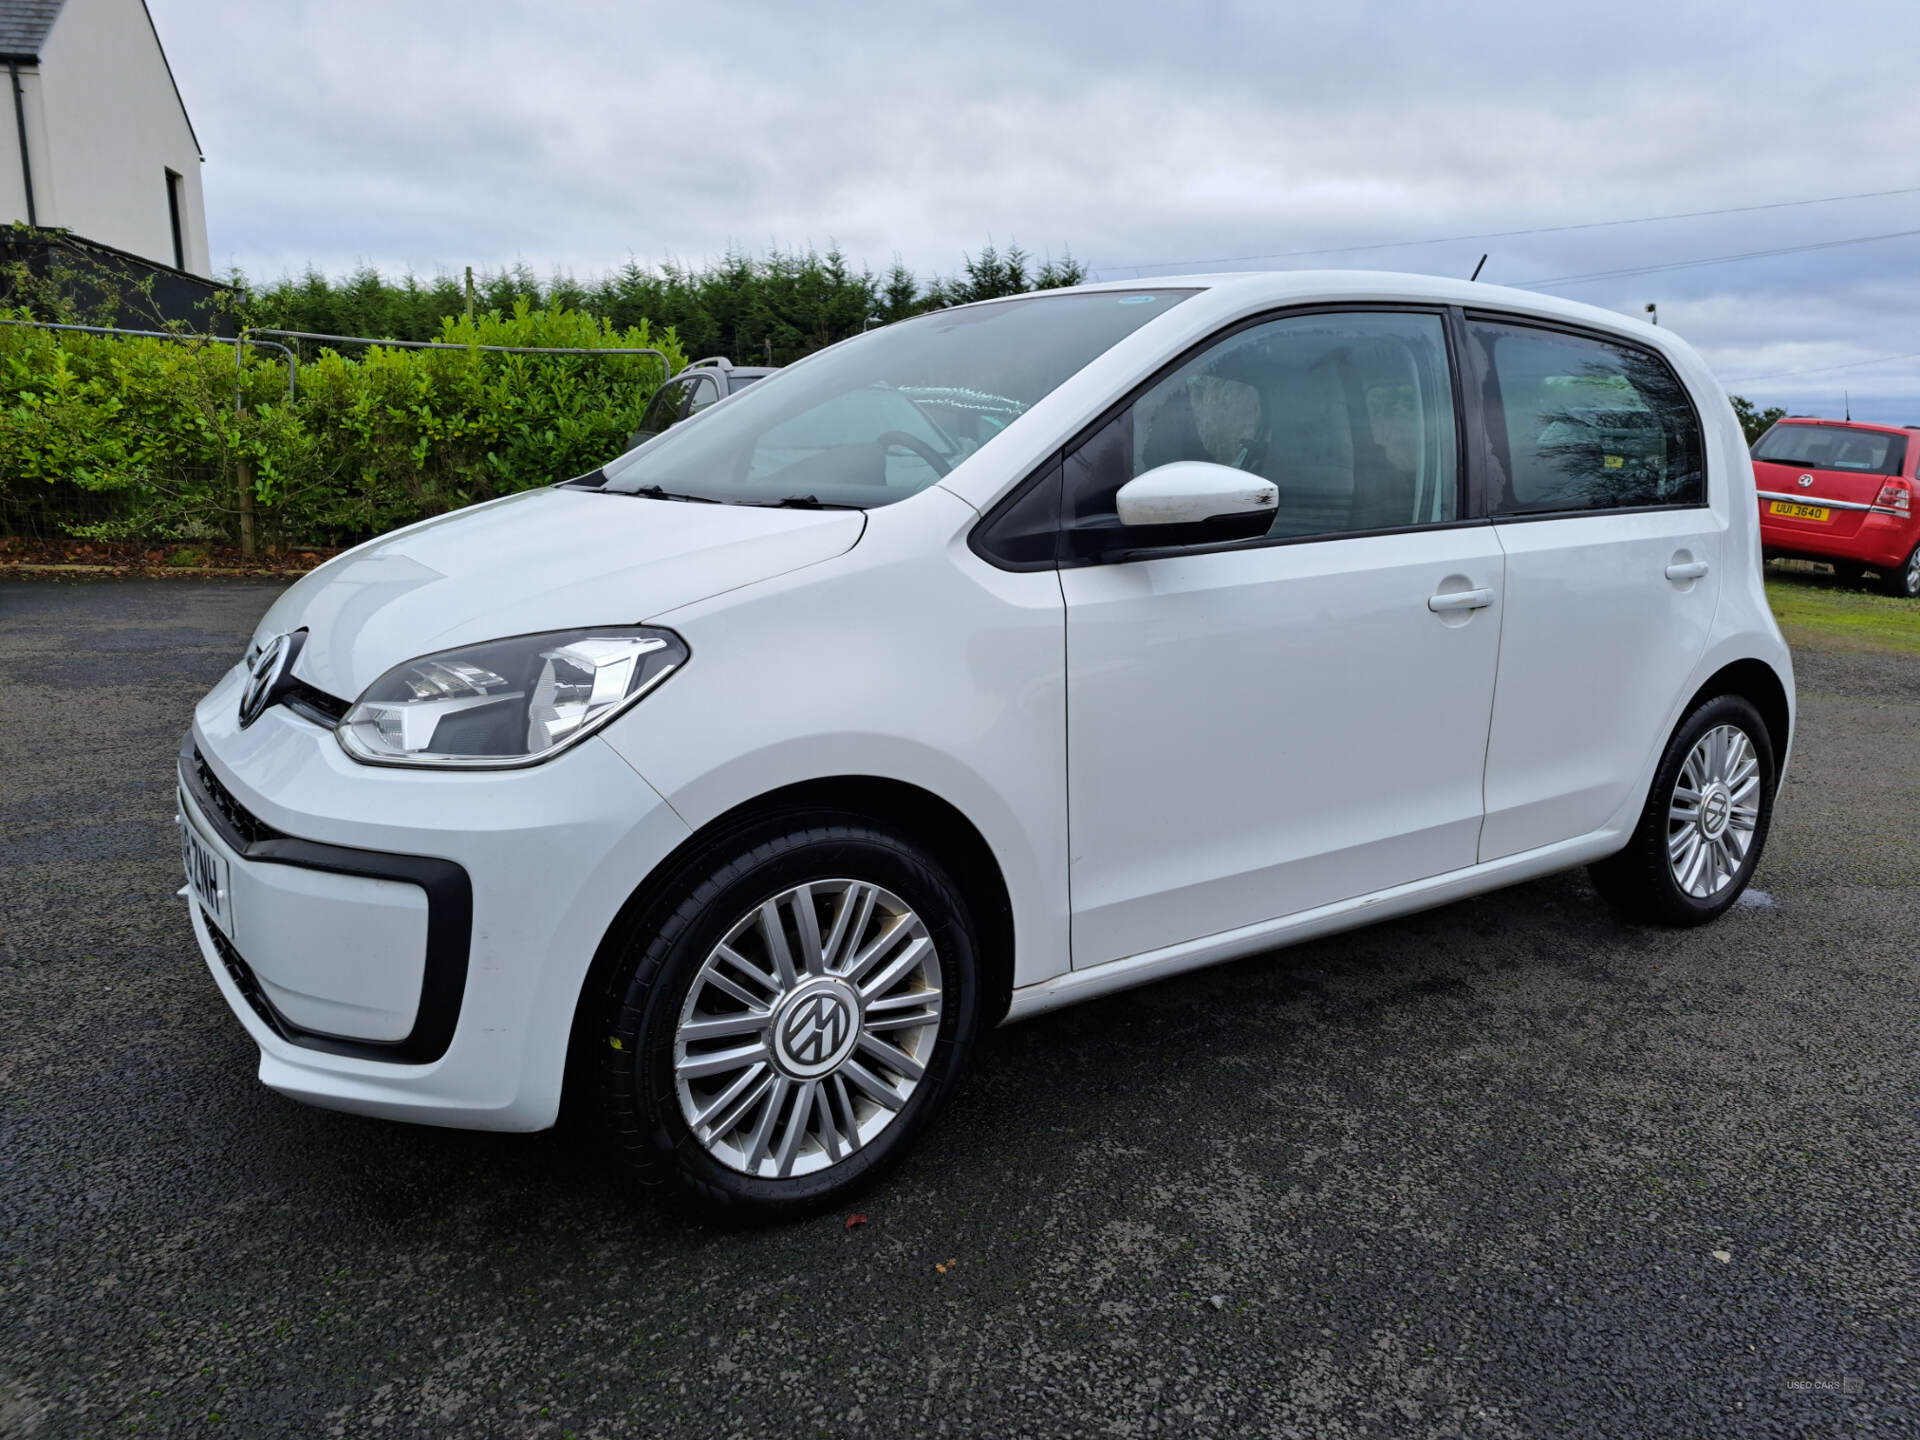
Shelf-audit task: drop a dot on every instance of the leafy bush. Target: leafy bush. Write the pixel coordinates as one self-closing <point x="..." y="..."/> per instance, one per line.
<point x="126" y="438"/>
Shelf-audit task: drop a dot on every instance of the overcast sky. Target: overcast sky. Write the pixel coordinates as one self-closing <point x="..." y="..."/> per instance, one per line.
<point x="574" y="135"/>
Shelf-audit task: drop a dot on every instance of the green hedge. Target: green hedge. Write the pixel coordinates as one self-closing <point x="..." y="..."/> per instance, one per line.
<point x="773" y="308"/>
<point x="133" y="439"/>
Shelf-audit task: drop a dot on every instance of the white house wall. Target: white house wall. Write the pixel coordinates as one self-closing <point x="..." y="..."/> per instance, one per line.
<point x="112" y="128"/>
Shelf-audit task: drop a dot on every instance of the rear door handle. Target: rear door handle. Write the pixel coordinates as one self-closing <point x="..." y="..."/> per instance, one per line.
<point x="1460" y="600"/>
<point x="1686" y="570"/>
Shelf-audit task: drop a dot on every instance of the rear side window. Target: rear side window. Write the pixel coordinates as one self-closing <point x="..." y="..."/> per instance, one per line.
<point x="1575" y="423"/>
<point x="1833" y="447"/>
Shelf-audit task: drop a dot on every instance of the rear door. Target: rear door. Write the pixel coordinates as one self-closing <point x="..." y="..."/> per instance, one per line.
<point x="1597" y="485"/>
<point x="1818" y="482"/>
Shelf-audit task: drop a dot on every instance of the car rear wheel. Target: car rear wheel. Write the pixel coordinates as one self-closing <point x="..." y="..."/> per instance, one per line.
<point x="1903" y="581"/>
<point x="1705" y="822"/>
<point x="781" y="1037"/>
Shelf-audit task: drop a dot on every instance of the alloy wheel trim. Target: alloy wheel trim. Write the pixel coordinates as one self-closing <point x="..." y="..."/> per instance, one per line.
<point x="1713" y="812"/>
<point x="807" y="1028"/>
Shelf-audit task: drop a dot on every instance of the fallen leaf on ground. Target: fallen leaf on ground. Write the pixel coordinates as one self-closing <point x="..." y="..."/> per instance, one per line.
<point x="853" y="1220"/>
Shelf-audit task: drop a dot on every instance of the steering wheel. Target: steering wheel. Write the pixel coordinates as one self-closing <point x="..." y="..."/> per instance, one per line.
<point x="918" y="446"/>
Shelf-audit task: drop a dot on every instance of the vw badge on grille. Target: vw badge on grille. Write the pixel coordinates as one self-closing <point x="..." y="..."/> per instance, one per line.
<point x="267" y="674"/>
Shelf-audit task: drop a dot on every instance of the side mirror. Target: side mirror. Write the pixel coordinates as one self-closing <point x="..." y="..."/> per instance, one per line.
<point x="1192" y="501"/>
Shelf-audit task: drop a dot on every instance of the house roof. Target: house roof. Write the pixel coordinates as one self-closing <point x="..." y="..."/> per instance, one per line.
<point x="24" y="25"/>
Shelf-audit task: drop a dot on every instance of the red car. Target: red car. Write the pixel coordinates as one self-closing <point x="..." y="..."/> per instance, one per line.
<point x="1842" y="491"/>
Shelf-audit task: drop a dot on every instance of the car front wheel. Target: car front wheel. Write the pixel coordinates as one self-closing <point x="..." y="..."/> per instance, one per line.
<point x="783" y="1034"/>
<point x="1705" y="822"/>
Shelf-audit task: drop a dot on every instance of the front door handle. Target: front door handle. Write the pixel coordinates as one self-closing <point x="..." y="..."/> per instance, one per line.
<point x="1686" y="569"/>
<point x="1459" y="600"/>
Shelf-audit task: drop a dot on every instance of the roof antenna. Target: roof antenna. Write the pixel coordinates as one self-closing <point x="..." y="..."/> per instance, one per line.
<point x="1847" y="400"/>
<point x="1476" y="269"/>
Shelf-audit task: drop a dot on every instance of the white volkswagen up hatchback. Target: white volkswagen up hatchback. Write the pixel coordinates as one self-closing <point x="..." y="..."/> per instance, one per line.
<point x="999" y="658"/>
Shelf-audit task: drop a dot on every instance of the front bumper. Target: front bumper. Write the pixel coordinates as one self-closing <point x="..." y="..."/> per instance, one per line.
<point x="410" y="944"/>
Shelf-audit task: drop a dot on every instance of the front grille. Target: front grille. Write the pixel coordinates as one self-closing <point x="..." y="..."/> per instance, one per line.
<point x="242" y="976"/>
<point x="315" y="705"/>
<point x="242" y="821"/>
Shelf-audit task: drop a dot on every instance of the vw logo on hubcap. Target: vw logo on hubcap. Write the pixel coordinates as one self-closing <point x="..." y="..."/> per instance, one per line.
<point x="1716" y="808"/>
<point x="266" y="675"/>
<point x="817" y="1029"/>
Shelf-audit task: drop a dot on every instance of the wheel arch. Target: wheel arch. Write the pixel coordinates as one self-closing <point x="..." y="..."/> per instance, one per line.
<point x="910" y="810"/>
<point x="1757" y="682"/>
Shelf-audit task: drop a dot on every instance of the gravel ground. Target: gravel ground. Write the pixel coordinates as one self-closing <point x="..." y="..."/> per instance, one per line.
<point x="1507" y="1168"/>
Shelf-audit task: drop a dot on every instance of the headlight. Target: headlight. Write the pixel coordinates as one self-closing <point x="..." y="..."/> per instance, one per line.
<point x="507" y="702"/>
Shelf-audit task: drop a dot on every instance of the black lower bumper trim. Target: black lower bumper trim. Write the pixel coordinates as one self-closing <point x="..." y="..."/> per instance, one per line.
<point x="449" y="893"/>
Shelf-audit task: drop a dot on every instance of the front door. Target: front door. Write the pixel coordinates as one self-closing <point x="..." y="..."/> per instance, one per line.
<point x="1261" y="728"/>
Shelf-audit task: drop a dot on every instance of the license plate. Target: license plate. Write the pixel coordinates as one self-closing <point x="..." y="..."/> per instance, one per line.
<point x="1800" y="512"/>
<point x="206" y="875"/>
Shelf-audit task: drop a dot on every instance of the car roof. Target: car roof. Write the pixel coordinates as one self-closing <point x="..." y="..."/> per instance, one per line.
<point x="1305" y="286"/>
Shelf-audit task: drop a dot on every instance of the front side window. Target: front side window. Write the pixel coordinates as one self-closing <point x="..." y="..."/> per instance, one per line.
<point x="664" y="408"/>
<point x="1833" y="447"/>
<point x="705" y="392"/>
<point x="1350" y="415"/>
<point x="873" y="419"/>
<point x="1575" y="423"/>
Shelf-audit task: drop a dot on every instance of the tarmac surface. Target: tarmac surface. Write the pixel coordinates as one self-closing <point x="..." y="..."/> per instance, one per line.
<point x="1508" y="1168"/>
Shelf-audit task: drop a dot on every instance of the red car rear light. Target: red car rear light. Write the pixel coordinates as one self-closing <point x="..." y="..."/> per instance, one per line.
<point x="1896" y="495"/>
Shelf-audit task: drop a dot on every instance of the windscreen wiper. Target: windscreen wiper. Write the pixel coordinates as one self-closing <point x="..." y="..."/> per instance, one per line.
<point x="654" y="492"/>
<point x="803" y="502"/>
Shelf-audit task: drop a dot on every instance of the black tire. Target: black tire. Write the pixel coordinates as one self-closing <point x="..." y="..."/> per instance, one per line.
<point x="660" y="959"/>
<point x="1639" y="881"/>
<point x="1849" y="573"/>
<point x="1903" y="581"/>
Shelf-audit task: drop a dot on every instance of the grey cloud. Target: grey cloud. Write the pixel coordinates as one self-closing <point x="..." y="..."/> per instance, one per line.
<point x="438" y="134"/>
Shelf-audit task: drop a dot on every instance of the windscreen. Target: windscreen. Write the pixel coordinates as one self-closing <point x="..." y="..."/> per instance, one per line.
<point x="1833" y="447"/>
<point x="883" y="416"/>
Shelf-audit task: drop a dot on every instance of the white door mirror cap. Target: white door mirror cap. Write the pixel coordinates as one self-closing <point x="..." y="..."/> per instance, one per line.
<point x="1192" y="492"/>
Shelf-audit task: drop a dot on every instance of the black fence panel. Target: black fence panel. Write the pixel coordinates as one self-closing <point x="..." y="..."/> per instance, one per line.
<point x="106" y="286"/>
